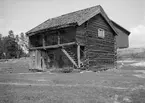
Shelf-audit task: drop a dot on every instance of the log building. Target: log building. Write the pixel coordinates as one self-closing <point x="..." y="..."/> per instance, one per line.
<point x="85" y="38"/>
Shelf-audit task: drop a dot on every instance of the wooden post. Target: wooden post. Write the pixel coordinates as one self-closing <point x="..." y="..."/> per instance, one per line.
<point x="43" y="41"/>
<point x="58" y="38"/>
<point x="78" y="55"/>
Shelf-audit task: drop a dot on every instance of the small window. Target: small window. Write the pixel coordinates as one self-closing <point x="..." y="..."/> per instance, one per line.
<point x="101" y="33"/>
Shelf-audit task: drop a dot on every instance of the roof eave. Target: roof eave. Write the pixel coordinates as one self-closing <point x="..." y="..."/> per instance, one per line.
<point x="29" y="33"/>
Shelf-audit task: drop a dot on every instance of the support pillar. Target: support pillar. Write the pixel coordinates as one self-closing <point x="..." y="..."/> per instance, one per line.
<point x="78" y="55"/>
<point x="43" y="41"/>
<point x="58" y="38"/>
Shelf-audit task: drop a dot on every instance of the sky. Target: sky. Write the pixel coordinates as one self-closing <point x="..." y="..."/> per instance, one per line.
<point x="23" y="15"/>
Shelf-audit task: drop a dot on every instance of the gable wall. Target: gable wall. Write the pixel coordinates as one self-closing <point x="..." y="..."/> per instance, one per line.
<point x="99" y="53"/>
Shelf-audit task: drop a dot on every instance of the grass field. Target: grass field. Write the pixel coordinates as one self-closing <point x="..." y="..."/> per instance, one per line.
<point x="123" y="85"/>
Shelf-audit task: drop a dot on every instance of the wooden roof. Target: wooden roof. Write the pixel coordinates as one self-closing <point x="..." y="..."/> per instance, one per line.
<point x="74" y="18"/>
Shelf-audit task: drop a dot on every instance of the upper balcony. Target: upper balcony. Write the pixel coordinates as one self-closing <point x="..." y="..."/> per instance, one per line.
<point x="52" y="39"/>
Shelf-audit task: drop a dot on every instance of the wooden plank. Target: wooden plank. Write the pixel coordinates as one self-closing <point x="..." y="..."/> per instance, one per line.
<point x="44" y="56"/>
<point x="53" y="46"/>
<point x="39" y="60"/>
<point x="58" y="39"/>
<point x="65" y="52"/>
<point x="32" y="63"/>
<point x="78" y="56"/>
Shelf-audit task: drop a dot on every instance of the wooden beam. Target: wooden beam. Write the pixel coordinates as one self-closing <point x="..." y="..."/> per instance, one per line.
<point x="43" y="41"/>
<point x="58" y="37"/>
<point x="53" y="46"/>
<point x="78" y="56"/>
<point x="69" y="57"/>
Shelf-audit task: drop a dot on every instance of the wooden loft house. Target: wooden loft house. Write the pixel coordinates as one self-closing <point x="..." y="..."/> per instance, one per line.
<point x="85" y="38"/>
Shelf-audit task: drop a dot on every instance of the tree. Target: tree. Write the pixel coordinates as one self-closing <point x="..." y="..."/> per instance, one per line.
<point x="0" y="36"/>
<point x="22" y="37"/>
<point x="10" y="47"/>
<point x="23" y="42"/>
<point x="11" y="34"/>
<point x="17" y="38"/>
<point x="1" y="47"/>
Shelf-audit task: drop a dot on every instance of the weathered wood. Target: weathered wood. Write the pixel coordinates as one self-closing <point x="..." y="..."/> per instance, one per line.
<point x="92" y="56"/>
<point x="93" y="35"/>
<point x="53" y="46"/>
<point x="32" y="63"/>
<point x="80" y="34"/>
<point x="43" y="40"/>
<point x="78" y="55"/>
<point x="98" y="51"/>
<point x="51" y="29"/>
<point x="35" y="60"/>
<point x="65" y="52"/>
<point x="58" y="37"/>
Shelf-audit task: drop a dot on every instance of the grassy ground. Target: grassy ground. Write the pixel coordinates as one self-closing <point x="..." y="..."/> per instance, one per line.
<point x="124" y="85"/>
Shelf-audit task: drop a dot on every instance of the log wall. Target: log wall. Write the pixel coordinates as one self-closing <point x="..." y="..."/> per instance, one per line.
<point x="99" y="52"/>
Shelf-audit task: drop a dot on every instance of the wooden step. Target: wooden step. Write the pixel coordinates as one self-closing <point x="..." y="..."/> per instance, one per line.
<point x="70" y="58"/>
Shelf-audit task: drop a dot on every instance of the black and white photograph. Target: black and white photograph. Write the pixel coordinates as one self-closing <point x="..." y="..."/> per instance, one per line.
<point x="72" y="51"/>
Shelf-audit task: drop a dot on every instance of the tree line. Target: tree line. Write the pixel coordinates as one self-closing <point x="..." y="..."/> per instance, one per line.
<point x="13" y="46"/>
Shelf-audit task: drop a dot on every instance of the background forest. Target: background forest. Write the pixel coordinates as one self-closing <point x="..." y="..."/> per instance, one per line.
<point x="13" y="46"/>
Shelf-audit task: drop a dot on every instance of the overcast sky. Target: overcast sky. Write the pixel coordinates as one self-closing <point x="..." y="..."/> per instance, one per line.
<point x="23" y="15"/>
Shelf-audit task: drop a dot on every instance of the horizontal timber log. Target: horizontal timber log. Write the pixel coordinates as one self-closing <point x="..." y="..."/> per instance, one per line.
<point x="110" y="59"/>
<point x="97" y="46"/>
<point x="53" y="46"/>
<point x="101" y="45"/>
<point x="93" y="48"/>
<point x="98" y="51"/>
<point x="95" y="25"/>
<point x="95" y="37"/>
<point x="100" y="41"/>
<point x="100" y="56"/>
<point x="101" y="62"/>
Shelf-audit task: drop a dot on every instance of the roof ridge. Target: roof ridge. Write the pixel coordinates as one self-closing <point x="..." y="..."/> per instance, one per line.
<point x="81" y="10"/>
<point x="73" y="12"/>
